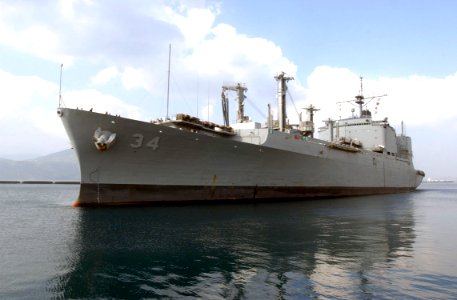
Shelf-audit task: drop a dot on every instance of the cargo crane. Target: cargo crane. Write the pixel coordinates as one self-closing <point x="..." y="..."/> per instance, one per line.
<point x="282" y="89"/>
<point x="240" y="89"/>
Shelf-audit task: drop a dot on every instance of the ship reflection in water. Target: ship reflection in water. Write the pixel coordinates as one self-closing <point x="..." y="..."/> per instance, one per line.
<point x="350" y="248"/>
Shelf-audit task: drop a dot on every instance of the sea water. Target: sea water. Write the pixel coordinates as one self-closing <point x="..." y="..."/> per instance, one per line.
<point x="399" y="246"/>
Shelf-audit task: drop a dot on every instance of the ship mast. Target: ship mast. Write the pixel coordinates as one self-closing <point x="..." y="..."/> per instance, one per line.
<point x="359" y="99"/>
<point x="60" y="86"/>
<point x="307" y="127"/>
<point x="282" y="89"/>
<point x="168" y="82"/>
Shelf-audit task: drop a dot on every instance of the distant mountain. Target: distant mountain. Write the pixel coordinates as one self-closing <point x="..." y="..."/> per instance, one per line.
<point x="57" y="166"/>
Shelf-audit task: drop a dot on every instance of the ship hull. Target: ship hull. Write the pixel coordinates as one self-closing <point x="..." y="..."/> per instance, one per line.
<point x="151" y="163"/>
<point x="133" y="194"/>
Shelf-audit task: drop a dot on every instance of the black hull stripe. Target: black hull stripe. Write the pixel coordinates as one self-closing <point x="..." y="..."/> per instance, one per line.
<point x="130" y="194"/>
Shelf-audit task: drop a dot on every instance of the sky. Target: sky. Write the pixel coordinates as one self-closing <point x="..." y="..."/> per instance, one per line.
<point x="115" y="58"/>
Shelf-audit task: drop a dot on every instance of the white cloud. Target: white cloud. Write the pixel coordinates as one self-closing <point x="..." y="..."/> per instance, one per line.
<point x="25" y="122"/>
<point x="207" y="112"/>
<point x="419" y="99"/>
<point x="194" y="22"/>
<point x="68" y="7"/>
<point x="19" y="93"/>
<point x="99" y="102"/>
<point x="410" y="99"/>
<point x="38" y="39"/>
<point x="194" y="25"/>
<point x="228" y="52"/>
<point x="99" y="32"/>
<point x="105" y="75"/>
<point x="28" y="119"/>
<point x="135" y="78"/>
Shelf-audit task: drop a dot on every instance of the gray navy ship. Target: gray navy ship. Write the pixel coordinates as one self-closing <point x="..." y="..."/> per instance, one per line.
<point x="129" y="162"/>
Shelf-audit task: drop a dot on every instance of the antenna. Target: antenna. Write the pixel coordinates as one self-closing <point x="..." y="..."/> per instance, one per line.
<point x="360" y="101"/>
<point x="198" y="91"/>
<point x="208" y="102"/>
<point x="361" y="85"/>
<point x="168" y="84"/>
<point x="60" y="86"/>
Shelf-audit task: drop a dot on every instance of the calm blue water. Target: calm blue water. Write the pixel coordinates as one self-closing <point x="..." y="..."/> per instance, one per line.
<point x="378" y="247"/>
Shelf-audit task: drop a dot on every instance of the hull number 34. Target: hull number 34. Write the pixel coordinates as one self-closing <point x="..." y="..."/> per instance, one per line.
<point x="139" y="141"/>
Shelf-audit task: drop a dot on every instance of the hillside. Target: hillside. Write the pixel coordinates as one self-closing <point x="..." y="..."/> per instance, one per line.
<point x="61" y="165"/>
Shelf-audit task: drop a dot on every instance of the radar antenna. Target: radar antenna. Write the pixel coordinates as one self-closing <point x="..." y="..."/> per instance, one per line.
<point x="360" y="100"/>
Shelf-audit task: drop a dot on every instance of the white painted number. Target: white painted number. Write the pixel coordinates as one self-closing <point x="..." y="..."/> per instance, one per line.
<point x="154" y="143"/>
<point x="139" y="139"/>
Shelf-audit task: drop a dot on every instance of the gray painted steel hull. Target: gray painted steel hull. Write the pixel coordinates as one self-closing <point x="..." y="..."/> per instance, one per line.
<point x="151" y="163"/>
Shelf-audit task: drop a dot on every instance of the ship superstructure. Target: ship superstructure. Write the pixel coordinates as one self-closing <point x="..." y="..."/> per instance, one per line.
<point x="362" y="132"/>
<point x="125" y="161"/>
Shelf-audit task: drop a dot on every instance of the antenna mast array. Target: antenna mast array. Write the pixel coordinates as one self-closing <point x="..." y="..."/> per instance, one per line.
<point x="168" y="82"/>
<point x="360" y="100"/>
<point x="60" y="86"/>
